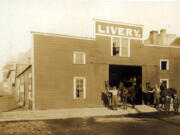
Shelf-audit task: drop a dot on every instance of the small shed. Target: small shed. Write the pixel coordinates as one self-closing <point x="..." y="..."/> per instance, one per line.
<point x="23" y="90"/>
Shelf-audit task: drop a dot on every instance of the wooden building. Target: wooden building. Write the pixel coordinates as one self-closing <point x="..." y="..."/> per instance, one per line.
<point x="69" y="72"/>
<point x="23" y="90"/>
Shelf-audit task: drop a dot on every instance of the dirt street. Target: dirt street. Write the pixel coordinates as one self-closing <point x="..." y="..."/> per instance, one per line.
<point x="134" y="124"/>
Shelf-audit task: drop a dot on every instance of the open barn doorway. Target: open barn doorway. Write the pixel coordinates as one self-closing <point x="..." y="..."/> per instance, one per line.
<point x="123" y="73"/>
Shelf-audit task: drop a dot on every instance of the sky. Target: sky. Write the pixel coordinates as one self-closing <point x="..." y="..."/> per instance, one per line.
<point x="75" y="17"/>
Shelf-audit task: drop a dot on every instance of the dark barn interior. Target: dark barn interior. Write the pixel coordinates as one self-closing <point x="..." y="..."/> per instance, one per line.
<point x="122" y="73"/>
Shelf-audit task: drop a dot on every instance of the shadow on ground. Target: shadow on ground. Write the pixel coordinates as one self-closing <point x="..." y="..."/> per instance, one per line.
<point x="157" y="123"/>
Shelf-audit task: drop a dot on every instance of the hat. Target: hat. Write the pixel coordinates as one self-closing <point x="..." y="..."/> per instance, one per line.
<point x="114" y="87"/>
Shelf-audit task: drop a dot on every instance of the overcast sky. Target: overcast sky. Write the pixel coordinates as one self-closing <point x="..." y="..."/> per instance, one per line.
<point x="74" y="17"/>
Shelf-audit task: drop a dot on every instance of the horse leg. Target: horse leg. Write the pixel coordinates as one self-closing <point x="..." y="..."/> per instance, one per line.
<point x="133" y="104"/>
<point x="126" y="103"/>
<point x="132" y="101"/>
<point x="123" y="102"/>
<point x="162" y="105"/>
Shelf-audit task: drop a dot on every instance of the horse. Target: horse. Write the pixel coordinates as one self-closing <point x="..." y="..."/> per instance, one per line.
<point x="128" y="93"/>
<point x="147" y="95"/>
<point x="123" y="94"/>
<point x="107" y="96"/>
<point x="167" y="92"/>
<point x="172" y="92"/>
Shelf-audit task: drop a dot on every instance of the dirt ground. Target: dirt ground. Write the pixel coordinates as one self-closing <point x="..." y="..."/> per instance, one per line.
<point x="134" y="124"/>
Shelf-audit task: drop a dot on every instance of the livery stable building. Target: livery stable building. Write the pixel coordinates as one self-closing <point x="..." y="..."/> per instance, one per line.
<point x="70" y="72"/>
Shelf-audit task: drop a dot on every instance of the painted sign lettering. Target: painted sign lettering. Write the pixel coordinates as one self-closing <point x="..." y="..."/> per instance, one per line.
<point x="118" y="30"/>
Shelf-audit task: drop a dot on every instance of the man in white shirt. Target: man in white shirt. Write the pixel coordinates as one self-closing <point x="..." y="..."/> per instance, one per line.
<point x="156" y="92"/>
<point x="114" y="97"/>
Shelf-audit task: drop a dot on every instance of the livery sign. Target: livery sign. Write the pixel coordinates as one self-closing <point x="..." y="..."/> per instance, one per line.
<point x="104" y="28"/>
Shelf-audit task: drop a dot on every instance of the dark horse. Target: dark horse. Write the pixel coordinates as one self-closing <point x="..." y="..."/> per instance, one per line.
<point x="147" y="95"/>
<point x="166" y="92"/>
<point x="127" y="93"/>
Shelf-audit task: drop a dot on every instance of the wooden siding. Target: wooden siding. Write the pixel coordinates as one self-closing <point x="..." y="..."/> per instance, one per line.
<point x="54" y="68"/>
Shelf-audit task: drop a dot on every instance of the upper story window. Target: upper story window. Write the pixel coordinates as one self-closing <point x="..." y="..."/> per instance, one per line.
<point x="164" y="65"/>
<point x="120" y="46"/>
<point x="79" y="58"/>
<point x="79" y="88"/>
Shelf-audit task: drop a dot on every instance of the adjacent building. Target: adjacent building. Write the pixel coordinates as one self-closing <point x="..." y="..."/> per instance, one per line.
<point x="23" y="91"/>
<point x="8" y="77"/>
<point x="16" y="73"/>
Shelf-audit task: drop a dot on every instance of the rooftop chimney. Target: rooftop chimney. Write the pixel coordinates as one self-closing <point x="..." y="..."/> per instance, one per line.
<point x="163" y="38"/>
<point x="153" y="37"/>
<point x="163" y="31"/>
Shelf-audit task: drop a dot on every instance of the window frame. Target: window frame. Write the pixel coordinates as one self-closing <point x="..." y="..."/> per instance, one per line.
<point x="167" y="66"/>
<point x="120" y="46"/>
<point x="165" y="79"/>
<point x="74" y="57"/>
<point x="84" y="87"/>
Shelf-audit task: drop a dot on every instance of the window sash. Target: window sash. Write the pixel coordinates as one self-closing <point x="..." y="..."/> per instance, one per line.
<point x="120" y="45"/>
<point x="164" y="61"/>
<point x="79" y="58"/>
<point x="79" y="88"/>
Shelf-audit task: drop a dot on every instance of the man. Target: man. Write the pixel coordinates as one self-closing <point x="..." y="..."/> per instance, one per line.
<point x="124" y="97"/>
<point x="114" y="98"/>
<point x="167" y="104"/>
<point x="176" y="103"/>
<point x="133" y="80"/>
<point x="156" y="92"/>
<point x="146" y="95"/>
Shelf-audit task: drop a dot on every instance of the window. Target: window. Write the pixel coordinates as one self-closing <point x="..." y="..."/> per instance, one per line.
<point x="79" y="58"/>
<point x="120" y="46"/>
<point x="124" y="47"/>
<point x="30" y="75"/>
<point x="79" y="88"/>
<point x="164" y="65"/>
<point x="116" y="46"/>
<point x="165" y="82"/>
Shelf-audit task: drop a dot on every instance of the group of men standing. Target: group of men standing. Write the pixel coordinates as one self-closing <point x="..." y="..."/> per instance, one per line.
<point x="161" y="94"/>
<point x="116" y="94"/>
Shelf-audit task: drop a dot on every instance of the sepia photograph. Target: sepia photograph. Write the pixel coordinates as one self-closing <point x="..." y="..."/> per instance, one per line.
<point x="90" y="67"/>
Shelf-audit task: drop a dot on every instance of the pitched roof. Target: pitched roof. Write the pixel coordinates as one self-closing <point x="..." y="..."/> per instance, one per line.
<point x="176" y="42"/>
<point x="20" y="68"/>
